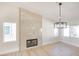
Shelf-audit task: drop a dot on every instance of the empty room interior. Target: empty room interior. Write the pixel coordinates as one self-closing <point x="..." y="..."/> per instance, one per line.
<point x="39" y="29"/>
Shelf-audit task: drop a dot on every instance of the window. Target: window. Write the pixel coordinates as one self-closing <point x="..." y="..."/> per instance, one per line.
<point x="55" y="32"/>
<point x="66" y="32"/>
<point x="9" y="32"/>
<point x="74" y="31"/>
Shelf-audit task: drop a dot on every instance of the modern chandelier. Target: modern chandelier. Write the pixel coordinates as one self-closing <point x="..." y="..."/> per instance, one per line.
<point x="60" y="24"/>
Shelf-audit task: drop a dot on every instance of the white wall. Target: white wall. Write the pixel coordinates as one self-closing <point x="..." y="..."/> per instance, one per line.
<point x="48" y="32"/>
<point x="71" y="40"/>
<point x="8" y="14"/>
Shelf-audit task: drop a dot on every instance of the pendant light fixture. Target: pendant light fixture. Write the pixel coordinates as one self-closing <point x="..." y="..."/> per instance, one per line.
<point x="60" y="23"/>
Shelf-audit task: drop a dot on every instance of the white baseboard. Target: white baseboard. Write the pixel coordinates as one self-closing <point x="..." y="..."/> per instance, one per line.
<point x="9" y="51"/>
<point x="51" y="42"/>
<point x="70" y="43"/>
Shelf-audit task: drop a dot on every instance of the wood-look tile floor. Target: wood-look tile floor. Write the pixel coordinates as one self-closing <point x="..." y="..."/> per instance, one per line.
<point x="57" y="49"/>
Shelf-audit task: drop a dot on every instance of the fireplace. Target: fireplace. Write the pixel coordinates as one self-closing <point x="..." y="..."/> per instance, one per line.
<point x="31" y="42"/>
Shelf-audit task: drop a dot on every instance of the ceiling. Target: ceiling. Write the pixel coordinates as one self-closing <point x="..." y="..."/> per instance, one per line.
<point x="70" y="10"/>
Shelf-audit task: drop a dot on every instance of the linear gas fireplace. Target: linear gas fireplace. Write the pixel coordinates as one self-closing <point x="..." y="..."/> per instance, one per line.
<point x="31" y="42"/>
